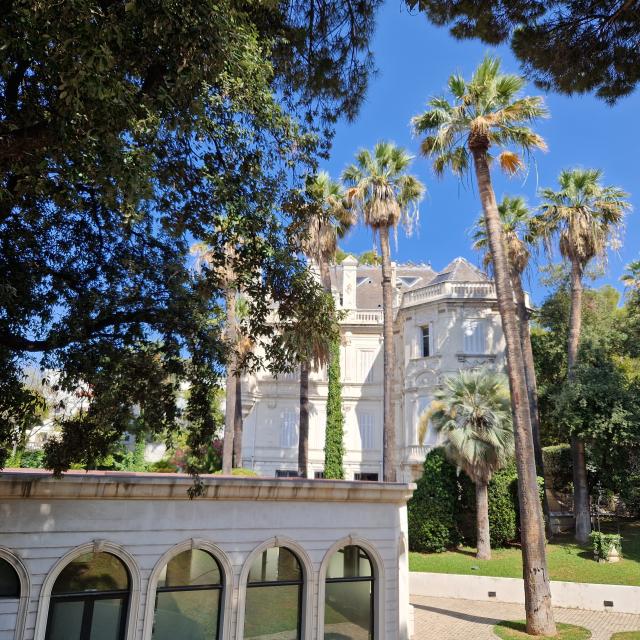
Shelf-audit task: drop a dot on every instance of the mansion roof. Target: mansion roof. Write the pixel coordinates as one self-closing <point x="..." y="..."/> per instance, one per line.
<point x="406" y="277"/>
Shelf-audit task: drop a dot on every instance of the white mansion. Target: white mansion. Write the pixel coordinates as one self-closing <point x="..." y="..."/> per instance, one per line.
<point x="444" y="321"/>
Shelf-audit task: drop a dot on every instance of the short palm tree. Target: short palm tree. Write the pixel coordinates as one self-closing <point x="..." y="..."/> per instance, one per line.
<point x="382" y="194"/>
<point x="472" y="417"/>
<point x="488" y="113"/>
<point x="585" y="216"/>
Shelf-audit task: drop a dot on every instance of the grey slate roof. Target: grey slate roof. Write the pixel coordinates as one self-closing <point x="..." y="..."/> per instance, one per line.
<point x="408" y="277"/>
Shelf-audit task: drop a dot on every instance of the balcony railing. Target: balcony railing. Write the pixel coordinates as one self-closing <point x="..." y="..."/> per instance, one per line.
<point x="372" y="316"/>
<point x="449" y="290"/>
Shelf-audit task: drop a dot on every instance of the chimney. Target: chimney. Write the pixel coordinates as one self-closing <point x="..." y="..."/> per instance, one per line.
<point x="349" y="269"/>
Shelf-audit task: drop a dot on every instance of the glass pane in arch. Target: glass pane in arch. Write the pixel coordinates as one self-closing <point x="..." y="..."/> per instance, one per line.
<point x="189" y="598"/>
<point x="9" y="581"/>
<point x="349" y="609"/>
<point x="92" y="572"/>
<point x="274" y="596"/>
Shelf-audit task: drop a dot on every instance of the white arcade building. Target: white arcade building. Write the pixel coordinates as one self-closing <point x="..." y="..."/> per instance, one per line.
<point x="444" y="321"/>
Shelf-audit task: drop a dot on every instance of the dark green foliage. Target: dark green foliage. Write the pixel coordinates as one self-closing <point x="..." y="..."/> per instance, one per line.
<point x="432" y="509"/>
<point x="503" y="508"/>
<point x="442" y="511"/>
<point x="334" y="443"/>
<point x="127" y="130"/>
<point x="558" y="466"/>
<point x="27" y="460"/>
<point x="571" y="46"/>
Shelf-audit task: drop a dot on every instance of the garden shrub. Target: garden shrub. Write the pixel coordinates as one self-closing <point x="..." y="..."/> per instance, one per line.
<point x="503" y="508"/>
<point x="558" y="466"/>
<point x="432" y="509"/>
<point x="240" y="471"/>
<point x="442" y="511"/>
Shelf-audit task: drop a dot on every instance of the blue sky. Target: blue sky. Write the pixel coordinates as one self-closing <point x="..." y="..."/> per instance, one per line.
<point x="414" y="60"/>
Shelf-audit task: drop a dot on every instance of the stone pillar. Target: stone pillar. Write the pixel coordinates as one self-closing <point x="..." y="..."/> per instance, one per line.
<point x="349" y="270"/>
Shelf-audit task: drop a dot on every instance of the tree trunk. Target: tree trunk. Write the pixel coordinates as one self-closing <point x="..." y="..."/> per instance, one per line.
<point x="237" y="424"/>
<point x="580" y="482"/>
<point x="303" y="438"/>
<point x="532" y="386"/>
<point x="534" y="563"/>
<point x="389" y="428"/>
<point x="325" y="276"/>
<point x="483" y="543"/>
<point x="230" y="404"/>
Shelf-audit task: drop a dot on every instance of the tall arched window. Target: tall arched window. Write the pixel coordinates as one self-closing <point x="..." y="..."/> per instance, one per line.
<point x="89" y="599"/>
<point x="189" y="598"/>
<point x="274" y="596"/>
<point x="9" y="599"/>
<point x="348" y="602"/>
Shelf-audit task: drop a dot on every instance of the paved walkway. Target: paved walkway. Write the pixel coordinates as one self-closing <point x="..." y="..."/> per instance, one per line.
<point x="452" y="619"/>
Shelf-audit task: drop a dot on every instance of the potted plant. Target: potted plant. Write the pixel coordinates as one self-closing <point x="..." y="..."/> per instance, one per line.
<point x="606" y="546"/>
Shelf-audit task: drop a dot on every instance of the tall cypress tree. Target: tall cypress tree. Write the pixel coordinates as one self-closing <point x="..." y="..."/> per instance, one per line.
<point x="334" y="443"/>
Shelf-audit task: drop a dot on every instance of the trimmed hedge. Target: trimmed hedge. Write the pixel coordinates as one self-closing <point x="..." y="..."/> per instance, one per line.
<point x="442" y="511"/>
<point x="432" y="509"/>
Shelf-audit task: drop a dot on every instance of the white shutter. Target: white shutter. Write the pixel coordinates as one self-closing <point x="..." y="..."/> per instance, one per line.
<point x="288" y="430"/>
<point x="367" y="430"/>
<point x="365" y="365"/>
<point x="475" y="341"/>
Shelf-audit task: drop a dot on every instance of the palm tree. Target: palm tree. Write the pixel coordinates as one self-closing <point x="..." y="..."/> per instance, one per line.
<point x="631" y="279"/>
<point x="585" y="216"/>
<point x="326" y="219"/>
<point x="472" y="416"/>
<point x="383" y="194"/>
<point x="488" y="112"/>
<point x="519" y="236"/>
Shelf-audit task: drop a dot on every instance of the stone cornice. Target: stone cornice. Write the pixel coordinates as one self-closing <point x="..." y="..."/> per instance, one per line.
<point x="30" y="484"/>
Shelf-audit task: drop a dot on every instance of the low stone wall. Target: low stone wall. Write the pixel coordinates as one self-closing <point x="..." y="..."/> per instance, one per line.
<point x="575" y="595"/>
<point x="144" y="519"/>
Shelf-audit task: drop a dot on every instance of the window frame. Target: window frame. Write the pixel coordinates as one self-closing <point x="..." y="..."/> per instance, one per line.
<point x="25" y="590"/>
<point x="426" y="327"/>
<point x="89" y="598"/>
<point x="198" y="587"/>
<point x="478" y="323"/>
<point x="371" y="579"/>
<point x="279" y="583"/>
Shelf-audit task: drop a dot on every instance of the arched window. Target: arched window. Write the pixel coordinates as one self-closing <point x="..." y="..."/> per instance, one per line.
<point x="89" y="599"/>
<point x="274" y="596"/>
<point x="189" y="598"/>
<point x="9" y="581"/>
<point x="9" y="600"/>
<point x="348" y="602"/>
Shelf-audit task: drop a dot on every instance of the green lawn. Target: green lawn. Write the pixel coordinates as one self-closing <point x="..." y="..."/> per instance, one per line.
<point x="509" y="630"/>
<point x="626" y="635"/>
<point x="567" y="561"/>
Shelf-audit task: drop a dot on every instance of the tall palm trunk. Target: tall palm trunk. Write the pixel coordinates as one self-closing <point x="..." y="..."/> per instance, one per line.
<point x="389" y="429"/>
<point x="483" y="544"/>
<point x="303" y="439"/>
<point x="534" y="563"/>
<point x="230" y="404"/>
<point x="237" y="424"/>
<point x="532" y="386"/>
<point x="578" y="455"/>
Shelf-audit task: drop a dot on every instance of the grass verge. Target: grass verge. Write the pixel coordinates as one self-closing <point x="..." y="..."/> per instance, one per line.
<point x="566" y="560"/>
<point x="626" y="635"/>
<point x="517" y="630"/>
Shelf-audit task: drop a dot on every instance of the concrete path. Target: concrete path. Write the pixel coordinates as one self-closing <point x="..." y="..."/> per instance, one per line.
<point x="449" y="619"/>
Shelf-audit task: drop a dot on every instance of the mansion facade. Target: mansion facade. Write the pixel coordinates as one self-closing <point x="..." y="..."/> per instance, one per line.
<point x="444" y="321"/>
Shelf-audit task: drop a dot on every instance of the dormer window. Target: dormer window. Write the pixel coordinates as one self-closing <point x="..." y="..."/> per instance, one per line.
<point x="408" y="281"/>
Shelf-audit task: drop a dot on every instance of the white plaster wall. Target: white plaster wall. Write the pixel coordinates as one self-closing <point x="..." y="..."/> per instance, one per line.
<point x="41" y="530"/>
<point x="563" y="594"/>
